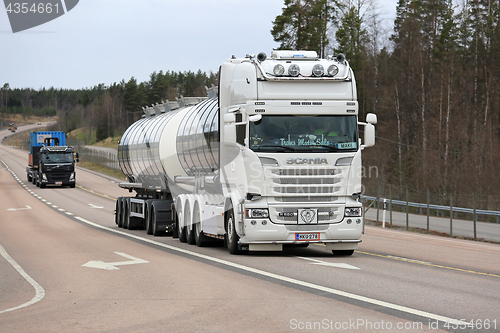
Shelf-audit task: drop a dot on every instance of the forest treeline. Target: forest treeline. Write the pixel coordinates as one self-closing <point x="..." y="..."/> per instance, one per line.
<point x="102" y="110"/>
<point x="433" y="81"/>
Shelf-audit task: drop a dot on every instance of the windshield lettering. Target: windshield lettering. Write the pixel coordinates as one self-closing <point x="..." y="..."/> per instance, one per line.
<point x="304" y="133"/>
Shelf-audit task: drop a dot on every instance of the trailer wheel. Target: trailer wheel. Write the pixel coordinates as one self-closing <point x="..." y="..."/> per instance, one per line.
<point x="343" y="252"/>
<point x="180" y="231"/>
<point x="118" y="213"/>
<point x="29" y="177"/>
<point x="189" y="227"/>
<point x="231" y="235"/>
<point x="199" y="238"/>
<point x="126" y="215"/>
<point x="175" y="232"/>
<point x="156" y="232"/>
<point x="147" y="218"/>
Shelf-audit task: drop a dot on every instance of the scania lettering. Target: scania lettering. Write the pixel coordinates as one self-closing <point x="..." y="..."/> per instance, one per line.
<point x="306" y="161"/>
<point x="271" y="157"/>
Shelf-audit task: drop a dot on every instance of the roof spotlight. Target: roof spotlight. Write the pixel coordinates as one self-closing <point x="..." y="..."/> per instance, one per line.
<point x="294" y="70"/>
<point x="318" y="70"/>
<point x="333" y="70"/>
<point x="279" y="70"/>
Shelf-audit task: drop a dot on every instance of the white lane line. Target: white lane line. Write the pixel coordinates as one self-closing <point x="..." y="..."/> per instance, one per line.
<point x="331" y="264"/>
<point x="61" y="210"/>
<point x="287" y="279"/>
<point x="68" y="213"/>
<point x="410" y="260"/>
<point x="39" y="291"/>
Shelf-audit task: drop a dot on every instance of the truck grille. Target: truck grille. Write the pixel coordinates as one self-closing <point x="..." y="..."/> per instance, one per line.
<point x="305" y="187"/>
<point x="58" y="177"/>
<point x="307" y="184"/>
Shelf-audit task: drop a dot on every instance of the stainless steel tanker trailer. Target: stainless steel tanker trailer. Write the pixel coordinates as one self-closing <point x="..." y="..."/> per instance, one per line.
<point x="271" y="158"/>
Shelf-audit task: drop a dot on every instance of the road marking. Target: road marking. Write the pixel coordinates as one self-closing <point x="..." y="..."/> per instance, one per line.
<point x="68" y="213"/>
<point x="61" y="210"/>
<point x="428" y="264"/>
<point x="99" y="194"/>
<point x="14" y="209"/>
<point x="332" y="291"/>
<point x="94" y="206"/>
<point x="331" y="264"/>
<point x="112" y="265"/>
<point x="39" y="291"/>
<point x="410" y="260"/>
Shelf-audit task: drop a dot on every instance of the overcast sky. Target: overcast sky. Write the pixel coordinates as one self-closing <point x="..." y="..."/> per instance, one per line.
<point x="105" y="41"/>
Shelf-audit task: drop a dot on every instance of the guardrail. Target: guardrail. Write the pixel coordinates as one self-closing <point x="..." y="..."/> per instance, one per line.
<point x="388" y="202"/>
<point x="104" y="158"/>
<point x="439" y="207"/>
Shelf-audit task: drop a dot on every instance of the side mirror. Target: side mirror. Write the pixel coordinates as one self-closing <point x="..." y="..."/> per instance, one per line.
<point x="371" y="118"/>
<point x="369" y="138"/>
<point x="77" y="158"/>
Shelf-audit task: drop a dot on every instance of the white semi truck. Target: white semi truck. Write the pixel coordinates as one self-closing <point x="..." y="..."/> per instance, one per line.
<point x="272" y="157"/>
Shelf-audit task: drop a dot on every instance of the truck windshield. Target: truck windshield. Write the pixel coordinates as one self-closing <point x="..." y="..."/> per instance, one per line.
<point x="57" y="157"/>
<point x="304" y="133"/>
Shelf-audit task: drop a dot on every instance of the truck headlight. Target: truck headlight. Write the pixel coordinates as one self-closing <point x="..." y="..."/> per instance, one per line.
<point x="44" y="177"/>
<point x="257" y="213"/>
<point x="353" y="211"/>
<point x="72" y="176"/>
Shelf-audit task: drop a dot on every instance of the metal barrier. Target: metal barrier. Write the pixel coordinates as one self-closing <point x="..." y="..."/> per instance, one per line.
<point x="490" y="231"/>
<point x="104" y="158"/>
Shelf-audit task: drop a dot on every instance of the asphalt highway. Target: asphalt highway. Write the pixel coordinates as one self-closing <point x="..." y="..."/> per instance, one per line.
<point x="66" y="267"/>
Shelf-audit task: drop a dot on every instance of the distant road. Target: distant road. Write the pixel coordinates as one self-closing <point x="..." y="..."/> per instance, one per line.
<point x="463" y="228"/>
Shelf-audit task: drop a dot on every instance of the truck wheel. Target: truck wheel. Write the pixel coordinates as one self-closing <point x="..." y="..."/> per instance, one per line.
<point x="29" y="178"/>
<point x="42" y="185"/>
<point x="72" y="186"/>
<point x="33" y="180"/>
<point x="231" y="235"/>
<point x="343" y="252"/>
<point x="199" y="238"/>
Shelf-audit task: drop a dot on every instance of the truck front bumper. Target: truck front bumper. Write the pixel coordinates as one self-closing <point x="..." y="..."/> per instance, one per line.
<point x="337" y="236"/>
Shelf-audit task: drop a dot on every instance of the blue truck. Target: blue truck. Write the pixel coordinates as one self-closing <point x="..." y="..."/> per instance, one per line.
<point x="51" y="162"/>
